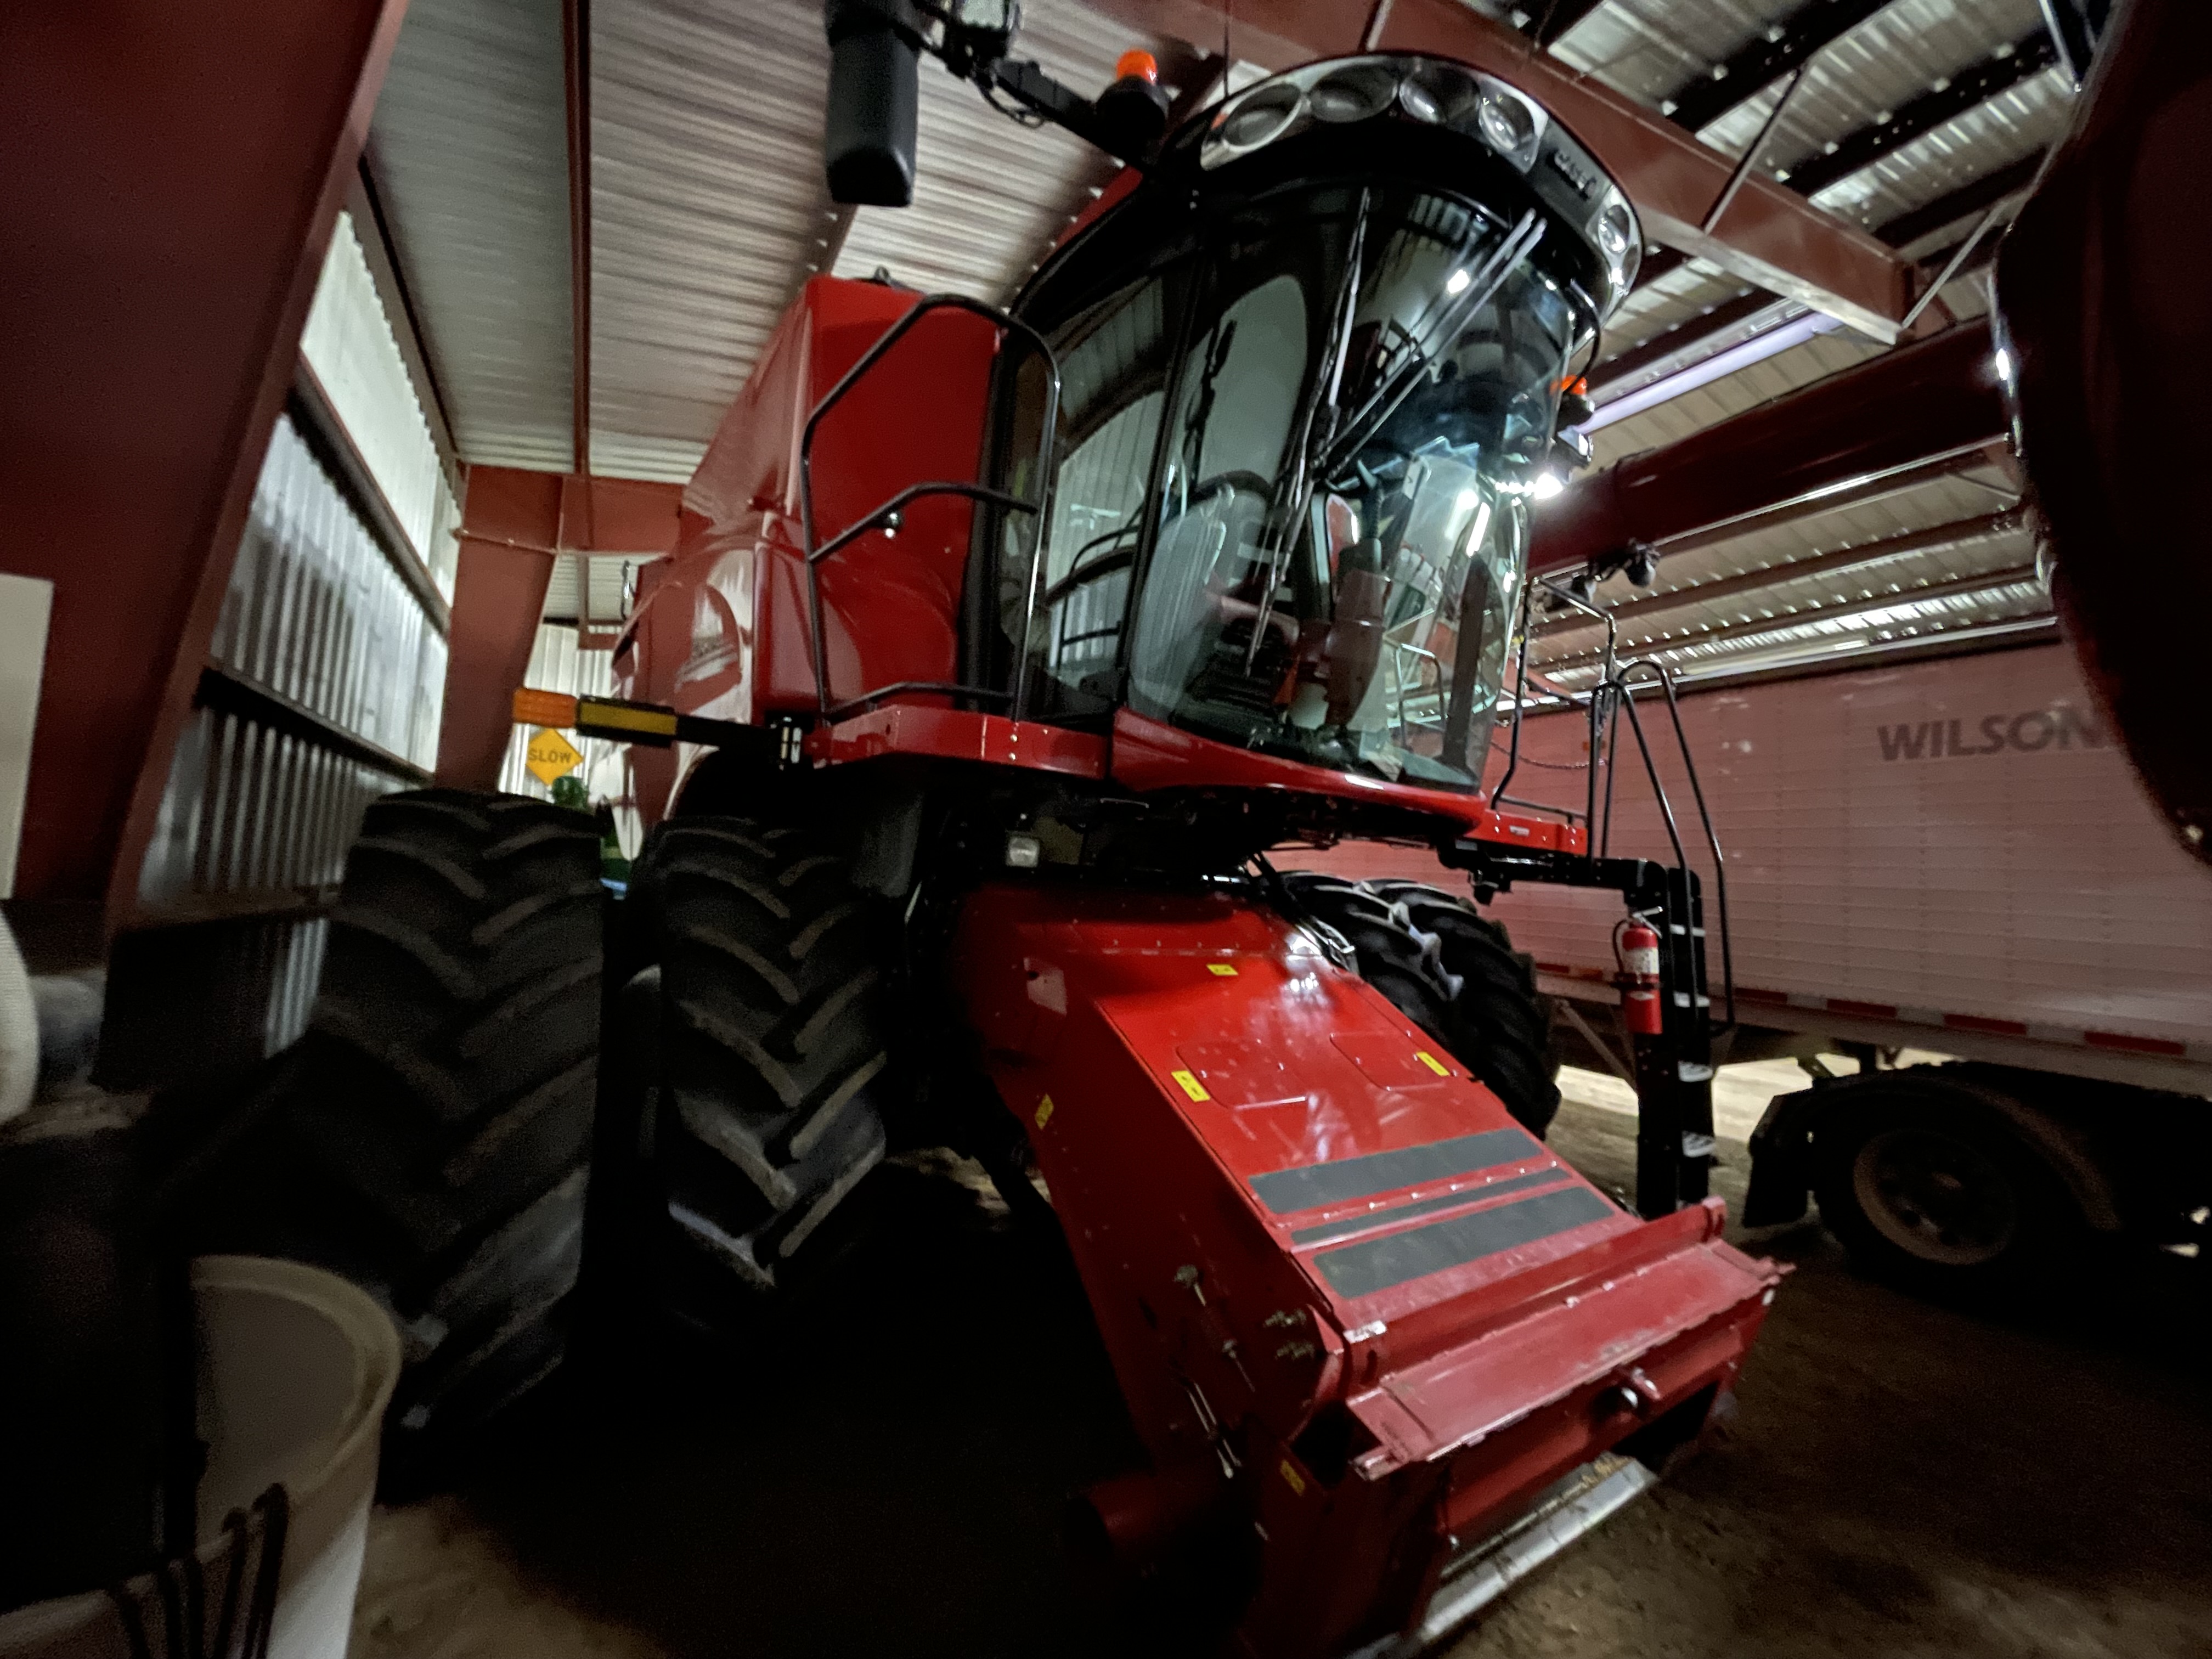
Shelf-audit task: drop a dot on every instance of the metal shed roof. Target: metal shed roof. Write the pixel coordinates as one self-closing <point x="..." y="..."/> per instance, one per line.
<point x="707" y="209"/>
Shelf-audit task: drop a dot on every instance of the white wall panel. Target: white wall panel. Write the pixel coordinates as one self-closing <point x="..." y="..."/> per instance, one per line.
<point x="470" y="151"/>
<point x="349" y="343"/>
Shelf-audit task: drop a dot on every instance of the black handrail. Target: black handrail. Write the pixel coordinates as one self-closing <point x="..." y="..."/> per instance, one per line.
<point x="893" y="508"/>
<point x="1613" y="692"/>
<point x="1665" y="678"/>
<point x="816" y="551"/>
<point x="1520" y="702"/>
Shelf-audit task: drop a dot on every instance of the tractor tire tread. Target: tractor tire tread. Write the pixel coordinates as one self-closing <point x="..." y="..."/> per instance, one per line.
<point x="434" y="1146"/>
<point x="772" y="1047"/>
<point x="1453" y="972"/>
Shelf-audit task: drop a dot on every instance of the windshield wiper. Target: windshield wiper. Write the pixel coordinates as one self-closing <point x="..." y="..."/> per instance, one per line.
<point x="1397" y="386"/>
<point x="1296" y="488"/>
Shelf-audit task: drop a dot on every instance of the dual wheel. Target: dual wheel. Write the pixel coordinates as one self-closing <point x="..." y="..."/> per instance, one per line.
<point x="775" y="1057"/>
<point x="434" y="1136"/>
<point x="439" y="1135"/>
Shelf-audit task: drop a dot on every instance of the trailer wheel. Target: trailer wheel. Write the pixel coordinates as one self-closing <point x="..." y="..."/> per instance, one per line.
<point x="774" y="1056"/>
<point x="431" y="1137"/>
<point x="1925" y="1184"/>
<point x="1454" y="974"/>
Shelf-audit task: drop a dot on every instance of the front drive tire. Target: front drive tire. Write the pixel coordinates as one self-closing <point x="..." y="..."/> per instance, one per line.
<point x="774" y="1056"/>
<point x="1454" y="974"/>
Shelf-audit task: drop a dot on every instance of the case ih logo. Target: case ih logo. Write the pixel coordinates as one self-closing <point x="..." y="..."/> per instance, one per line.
<point x="2038" y="728"/>
<point x="1583" y="181"/>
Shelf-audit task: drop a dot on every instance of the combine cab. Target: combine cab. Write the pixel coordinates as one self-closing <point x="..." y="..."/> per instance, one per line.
<point x="1000" y="648"/>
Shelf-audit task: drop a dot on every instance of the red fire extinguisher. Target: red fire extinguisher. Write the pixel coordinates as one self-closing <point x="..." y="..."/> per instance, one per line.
<point x="1637" y="946"/>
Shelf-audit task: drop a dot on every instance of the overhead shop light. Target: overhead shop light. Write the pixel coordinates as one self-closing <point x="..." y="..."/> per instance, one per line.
<point x="1775" y="340"/>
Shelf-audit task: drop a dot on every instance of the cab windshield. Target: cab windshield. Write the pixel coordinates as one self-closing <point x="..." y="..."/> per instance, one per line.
<point x="1307" y="451"/>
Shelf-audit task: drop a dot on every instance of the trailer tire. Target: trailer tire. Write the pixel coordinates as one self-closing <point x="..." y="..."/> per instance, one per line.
<point x="1923" y="1180"/>
<point x="1454" y="973"/>
<point x="430" y="1136"/>
<point x="774" y="1062"/>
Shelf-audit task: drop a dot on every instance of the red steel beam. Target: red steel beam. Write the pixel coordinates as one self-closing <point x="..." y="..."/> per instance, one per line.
<point x="173" y="176"/>
<point x="1936" y="397"/>
<point x="1770" y="236"/>
<point x="516" y="524"/>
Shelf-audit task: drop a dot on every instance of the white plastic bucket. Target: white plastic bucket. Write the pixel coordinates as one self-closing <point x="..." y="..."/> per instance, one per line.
<point x="296" y="1366"/>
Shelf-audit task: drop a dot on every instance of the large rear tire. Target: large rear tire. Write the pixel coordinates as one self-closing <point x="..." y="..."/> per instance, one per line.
<point x="432" y="1145"/>
<point x="774" y="1060"/>
<point x="1454" y="974"/>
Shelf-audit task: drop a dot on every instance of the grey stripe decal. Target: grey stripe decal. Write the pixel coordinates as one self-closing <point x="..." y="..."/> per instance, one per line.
<point x="1360" y="1223"/>
<point x="1363" y="1269"/>
<point x="1285" y="1191"/>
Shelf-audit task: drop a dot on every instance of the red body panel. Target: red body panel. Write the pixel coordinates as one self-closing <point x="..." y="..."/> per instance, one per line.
<point x="911" y="728"/>
<point x="724" y="633"/>
<point x="1148" y="754"/>
<point x="2099" y="282"/>
<point x="721" y="630"/>
<point x="1282" y="1196"/>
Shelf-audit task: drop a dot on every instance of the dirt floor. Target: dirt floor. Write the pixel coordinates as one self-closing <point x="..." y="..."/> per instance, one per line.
<point x="889" y="1477"/>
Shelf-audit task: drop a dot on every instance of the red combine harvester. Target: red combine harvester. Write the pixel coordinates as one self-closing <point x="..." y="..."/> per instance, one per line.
<point x="963" y="788"/>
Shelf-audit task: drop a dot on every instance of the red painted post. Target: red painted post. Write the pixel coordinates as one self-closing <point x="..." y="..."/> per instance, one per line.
<point x="513" y="526"/>
<point x="510" y="530"/>
<point x="169" y="177"/>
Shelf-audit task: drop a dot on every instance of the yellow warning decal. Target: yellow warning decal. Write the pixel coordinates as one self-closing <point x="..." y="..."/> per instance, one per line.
<point x="1432" y="1062"/>
<point x="550" y="756"/>
<point x="1225" y="970"/>
<point x="1191" y="1085"/>
<point x="1292" y="1479"/>
<point x="1044" y="1111"/>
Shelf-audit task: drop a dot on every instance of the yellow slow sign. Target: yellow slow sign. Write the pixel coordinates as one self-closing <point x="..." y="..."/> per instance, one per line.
<point x="551" y="756"/>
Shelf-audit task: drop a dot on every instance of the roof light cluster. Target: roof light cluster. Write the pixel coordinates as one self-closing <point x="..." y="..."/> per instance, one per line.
<point x="1435" y="93"/>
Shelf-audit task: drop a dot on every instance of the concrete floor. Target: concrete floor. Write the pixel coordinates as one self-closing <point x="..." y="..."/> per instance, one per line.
<point x="1902" y="1479"/>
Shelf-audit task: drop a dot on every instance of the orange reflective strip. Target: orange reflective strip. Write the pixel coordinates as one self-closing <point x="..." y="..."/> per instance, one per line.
<point x="543" y="708"/>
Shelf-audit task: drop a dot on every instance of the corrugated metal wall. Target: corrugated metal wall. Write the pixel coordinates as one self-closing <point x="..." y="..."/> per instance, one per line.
<point x="322" y="687"/>
<point x="349" y="346"/>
